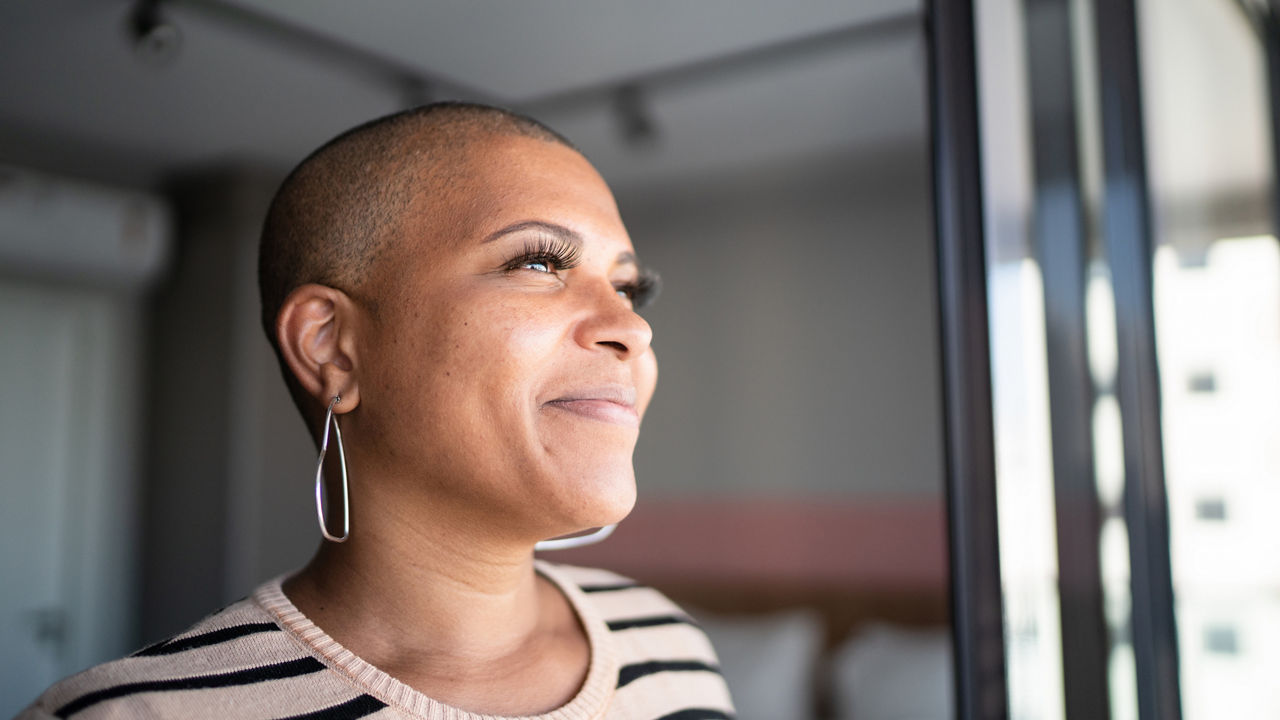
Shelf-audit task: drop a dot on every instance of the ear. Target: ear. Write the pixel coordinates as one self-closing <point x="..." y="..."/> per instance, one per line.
<point x="316" y="329"/>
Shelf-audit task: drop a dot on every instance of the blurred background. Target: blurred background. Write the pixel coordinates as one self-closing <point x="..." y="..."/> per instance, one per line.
<point x="773" y="161"/>
<point x="771" y="164"/>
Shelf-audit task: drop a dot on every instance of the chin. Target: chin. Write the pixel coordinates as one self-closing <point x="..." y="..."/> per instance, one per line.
<point x="621" y="506"/>
<point x="604" y="499"/>
<point x="592" y="472"/>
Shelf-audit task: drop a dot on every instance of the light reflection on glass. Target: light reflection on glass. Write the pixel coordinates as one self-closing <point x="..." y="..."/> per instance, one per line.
<point x="1024" y="487"/>
<point x="1019" y="370"/>
<point x="1217" y="312"/>
<point x="1218" y="320"/>
<point x="1108" y="464"/>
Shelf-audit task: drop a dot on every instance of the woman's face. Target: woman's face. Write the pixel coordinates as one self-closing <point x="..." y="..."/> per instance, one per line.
<point x="504" y="371"/>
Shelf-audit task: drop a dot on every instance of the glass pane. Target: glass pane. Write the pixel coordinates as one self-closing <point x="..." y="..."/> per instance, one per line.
<point x="1107" y="419"/>
<point x="1020" y="385"/>
<point x="1020" y="362"/>
<point x="1217" y="305"/>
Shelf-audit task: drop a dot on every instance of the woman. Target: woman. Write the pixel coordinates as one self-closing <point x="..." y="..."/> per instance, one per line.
<point x="452" y="296"/>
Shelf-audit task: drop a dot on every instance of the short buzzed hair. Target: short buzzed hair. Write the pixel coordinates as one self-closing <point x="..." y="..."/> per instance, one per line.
<point x="343" y="205"/>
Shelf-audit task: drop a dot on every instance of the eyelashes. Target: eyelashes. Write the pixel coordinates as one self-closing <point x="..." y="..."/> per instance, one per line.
<point x="643" y="290"/>
<point x="555" y="255"/>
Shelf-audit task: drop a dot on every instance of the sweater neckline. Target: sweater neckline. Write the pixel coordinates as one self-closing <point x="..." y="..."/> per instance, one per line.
<point x="590" y="702"/>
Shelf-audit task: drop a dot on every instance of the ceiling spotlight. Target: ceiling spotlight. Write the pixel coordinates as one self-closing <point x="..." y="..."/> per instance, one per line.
<point x="155" y="40"/>
<point x="634" y="117"/>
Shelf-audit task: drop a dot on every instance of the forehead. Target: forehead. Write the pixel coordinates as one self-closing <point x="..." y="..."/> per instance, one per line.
<point x="505" y="180"/>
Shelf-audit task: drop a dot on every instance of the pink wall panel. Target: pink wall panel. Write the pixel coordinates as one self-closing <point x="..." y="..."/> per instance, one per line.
<point x="886" y="544"/>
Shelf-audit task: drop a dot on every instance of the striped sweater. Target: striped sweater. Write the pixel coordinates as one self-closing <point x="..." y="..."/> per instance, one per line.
<point x="262" y="658"/>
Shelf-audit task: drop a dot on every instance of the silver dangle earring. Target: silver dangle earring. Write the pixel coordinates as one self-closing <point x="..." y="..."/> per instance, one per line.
<point x="342" y="460"/>
<point x="576" y="540"/>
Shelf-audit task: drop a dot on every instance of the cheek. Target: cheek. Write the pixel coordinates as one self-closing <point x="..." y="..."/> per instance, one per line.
<point x="526" y="335"/>
<point x="467" y="365"/>
<point x="494" y="354"/>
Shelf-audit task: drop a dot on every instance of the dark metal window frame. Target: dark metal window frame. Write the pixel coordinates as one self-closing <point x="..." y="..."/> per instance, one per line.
<point x="1128" y="242"/>
<point x="981" y="688"/>
<point x="1061" y="242"/>
<point x="1271" y="45"/>
<point x="976" y="604"/>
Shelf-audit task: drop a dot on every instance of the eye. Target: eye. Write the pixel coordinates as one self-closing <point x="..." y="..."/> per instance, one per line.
<point x="545" y="255"/>
<point x="641" y="291"/>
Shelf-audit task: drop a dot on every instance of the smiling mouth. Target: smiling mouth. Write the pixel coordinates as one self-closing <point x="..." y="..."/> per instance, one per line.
<point x="616" y="407"/>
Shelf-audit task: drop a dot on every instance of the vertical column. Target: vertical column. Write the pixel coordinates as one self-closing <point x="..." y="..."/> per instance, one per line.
<point x="1271" y="46"/>
<point x="227" y="500"/>
<point x="1127" y="229"/>
<point x="189" y="365"/>
<point x="1060" y="241"/>
<point x="976" y="613"/>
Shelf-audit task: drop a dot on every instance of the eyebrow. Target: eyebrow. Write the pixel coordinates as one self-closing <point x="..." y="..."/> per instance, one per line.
<point x="626" y="257"/>
<point x="559" y="231"/>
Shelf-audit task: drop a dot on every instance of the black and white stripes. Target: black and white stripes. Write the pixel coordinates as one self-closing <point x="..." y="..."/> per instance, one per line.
<point x="250" y="676"/>
<point x="237" y="658"/>
<point x="356" y="707"/>
<point x="629" y="673"/>
<point x="261" y="658"/>
<point x="213" y="637"/>
<point x="665" y="661"/>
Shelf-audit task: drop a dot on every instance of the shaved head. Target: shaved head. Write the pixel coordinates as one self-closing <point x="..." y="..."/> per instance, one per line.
<point x="343" y="206"/>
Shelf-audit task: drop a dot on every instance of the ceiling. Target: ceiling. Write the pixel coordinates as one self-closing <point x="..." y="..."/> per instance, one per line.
<point x="724" y="83"/>
<point x="522" y="51"/>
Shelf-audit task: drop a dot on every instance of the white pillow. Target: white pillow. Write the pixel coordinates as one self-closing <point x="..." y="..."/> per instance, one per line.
<point x="886" y="672"/>
<point x="768" y="661"/>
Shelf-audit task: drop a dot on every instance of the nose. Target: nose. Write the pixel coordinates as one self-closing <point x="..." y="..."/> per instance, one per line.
<point x="613" y="325"/>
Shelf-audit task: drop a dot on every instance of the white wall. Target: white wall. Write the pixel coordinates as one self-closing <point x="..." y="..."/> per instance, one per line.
<point x="68" y="424"/>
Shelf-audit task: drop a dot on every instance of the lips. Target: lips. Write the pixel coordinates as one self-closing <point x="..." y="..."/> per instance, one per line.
<point x="614" y="404"/>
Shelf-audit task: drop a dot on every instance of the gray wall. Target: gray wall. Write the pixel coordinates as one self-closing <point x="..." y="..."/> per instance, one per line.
<point x="796" y="332"/>
<point x="227" y="499"/>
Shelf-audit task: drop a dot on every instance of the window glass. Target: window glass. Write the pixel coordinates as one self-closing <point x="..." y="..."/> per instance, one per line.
<point x="1217" y="309"/>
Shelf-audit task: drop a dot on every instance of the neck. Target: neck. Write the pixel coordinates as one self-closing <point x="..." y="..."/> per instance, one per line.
<point x="468" y="624"/>
<point x="391" y="595"/>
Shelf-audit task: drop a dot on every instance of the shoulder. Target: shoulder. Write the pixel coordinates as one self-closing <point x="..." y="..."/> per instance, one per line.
<point x="623" y="603"/>
<point x="585" y="578"/>
<point x="237" y="657"/>
<point x="663" y="655"/>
